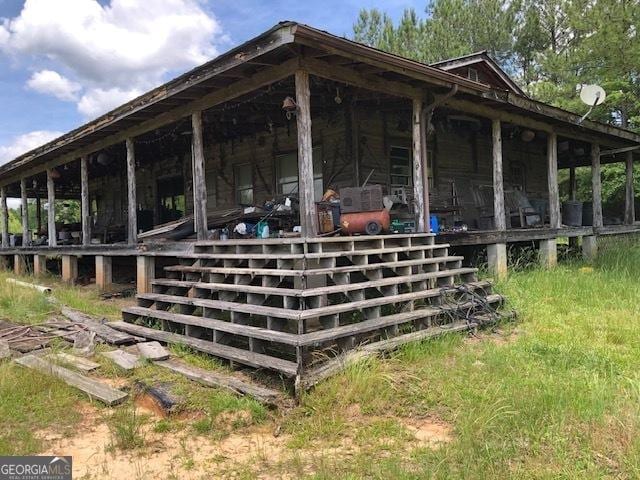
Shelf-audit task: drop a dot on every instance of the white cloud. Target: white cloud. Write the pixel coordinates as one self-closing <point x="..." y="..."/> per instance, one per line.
<point x="25" y="142"/>
<point x="99" y="100"/>
<point x="126" y="45"/>
<point x="52" y="83"/>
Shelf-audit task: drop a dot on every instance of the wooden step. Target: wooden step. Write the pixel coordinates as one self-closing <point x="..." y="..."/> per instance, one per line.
<point x="311" y="271"/>
<point x="290" y="314"/>
<point x="386" y="300"/>
<point x="300" y="256"/>
<point x="294" y="292"/>
<point x="282" y="241"/>
<point x="215" y="324"/>
<point x="322" y="336"/>
<point x="221" y="305"/>
<point x="239" y="355"/>
<point x="306" y="339"/>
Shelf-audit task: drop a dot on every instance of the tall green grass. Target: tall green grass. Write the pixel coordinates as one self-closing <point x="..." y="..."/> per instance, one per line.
<point x="553" y="396"/>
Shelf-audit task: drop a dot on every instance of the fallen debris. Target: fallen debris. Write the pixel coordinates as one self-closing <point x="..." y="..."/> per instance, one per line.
<point x="5" y="352"/>
<point x="27" y="338"/>
<point x="229" y="382"/>
<point x="77" y="362"/>
<point x="85" y="343"/>
<point x="152" y="351"/>
<point x="94" y="388"/>
<point x="41" y="288"/>
<point x="101" y="329"/>
<point x="159" y="398"/>
<point x="124" y="360"/>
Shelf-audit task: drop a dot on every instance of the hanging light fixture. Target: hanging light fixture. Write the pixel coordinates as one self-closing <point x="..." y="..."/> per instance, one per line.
<point x="290" y="106"/>
<point x="337" y="98"/>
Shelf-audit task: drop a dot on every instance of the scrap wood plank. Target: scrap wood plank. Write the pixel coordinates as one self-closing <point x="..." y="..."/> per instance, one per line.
<point x="217" y="379"/>
<point x="102" y="330"/>
<point x="152" y="351"/>
<point x="94" y="388"/>
<point x="73" y="360"/>
<point x="124" y="360"/>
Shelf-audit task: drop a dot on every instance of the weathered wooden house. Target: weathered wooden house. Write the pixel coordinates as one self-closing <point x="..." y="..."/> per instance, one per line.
<point x="254" y="138"/>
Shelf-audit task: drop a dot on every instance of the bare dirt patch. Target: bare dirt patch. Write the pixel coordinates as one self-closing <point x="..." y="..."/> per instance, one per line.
<point x="430" y="432"/>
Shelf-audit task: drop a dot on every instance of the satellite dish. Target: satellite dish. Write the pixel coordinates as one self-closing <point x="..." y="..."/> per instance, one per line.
<point x="592" y="95"/>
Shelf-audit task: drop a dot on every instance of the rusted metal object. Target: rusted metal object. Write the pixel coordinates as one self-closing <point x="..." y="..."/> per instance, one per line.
<point x="371" y="223"/>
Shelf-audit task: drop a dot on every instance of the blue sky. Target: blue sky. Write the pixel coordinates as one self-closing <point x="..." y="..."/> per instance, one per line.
<point x="56" y="73"/>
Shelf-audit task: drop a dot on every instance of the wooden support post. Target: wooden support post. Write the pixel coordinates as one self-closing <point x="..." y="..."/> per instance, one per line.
<point x="555" y="220"/>
<point x="69" y="268"/>
<point x="132" y="204"/>
<point x="104" y="272"/>
<point x="84" y="200"/>
<point x="26" y="235"/>
<point x="200" y="224"/>
<point x="39" y="265"/>
<point x="629" y="194"/>
<point x="51" y="211"/>
<point x="589" y="247"/>
<point x="19" y="264"/>
<point x="146" y="272"/>
<point x="573" y="184"/>
<point x="38" y="215"/>
<point x="548" y="253"/>
<point x="596" y="185"/>
<point x="4" y="223"/>
<point x="499" y="217"/>
<point x="420" y="183"/>
<point x="497" y="259"/>
<point x="308" y="216"/>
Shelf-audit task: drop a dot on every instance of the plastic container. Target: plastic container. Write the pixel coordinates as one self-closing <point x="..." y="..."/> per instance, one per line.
<point x="572" y="213"/>
<point x="434" y="224"/>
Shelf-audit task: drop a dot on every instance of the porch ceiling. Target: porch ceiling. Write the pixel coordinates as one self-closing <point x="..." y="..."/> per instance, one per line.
<point x="275" y="55"/>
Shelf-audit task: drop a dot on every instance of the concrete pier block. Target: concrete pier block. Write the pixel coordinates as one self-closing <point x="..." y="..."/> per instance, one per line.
<point x="589" y="247"/>
<point x="104" y="272"/>
<point x="145" y="273"/>
<point x="69" y="268"/>
<point x="19" y="264"/>
<point x="39" y="265"/>
<point x="548" y="253"/>
<point x="497" y="259"/>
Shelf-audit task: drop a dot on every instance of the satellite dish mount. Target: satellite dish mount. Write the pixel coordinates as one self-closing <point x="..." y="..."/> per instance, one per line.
<point x="592" y="95"/>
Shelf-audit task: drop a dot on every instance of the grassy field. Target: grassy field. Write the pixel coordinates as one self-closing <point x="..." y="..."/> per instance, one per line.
<point x="554" y="395"/>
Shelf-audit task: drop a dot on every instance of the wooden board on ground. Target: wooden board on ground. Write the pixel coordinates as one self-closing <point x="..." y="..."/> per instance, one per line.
<point x="217" y="379"/>
<point x="152" y="351"/>
<point x="124" y="360"/>
<point x="102" y="330"/>
<point x="73" y="360"/>
<point x="94" y="388"/>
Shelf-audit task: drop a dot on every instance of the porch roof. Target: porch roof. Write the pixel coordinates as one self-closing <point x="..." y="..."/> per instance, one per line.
<point x="283" y="46"/>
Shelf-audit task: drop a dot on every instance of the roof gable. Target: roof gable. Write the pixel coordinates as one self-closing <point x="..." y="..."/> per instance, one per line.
<point x="485" y="68"/>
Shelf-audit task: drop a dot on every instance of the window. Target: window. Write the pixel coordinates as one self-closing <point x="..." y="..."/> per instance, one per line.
<point x="472" y="74"/>
<point x="243" y="177"/>
<point x="400" y="168"/>
<point x="287" y="173"/>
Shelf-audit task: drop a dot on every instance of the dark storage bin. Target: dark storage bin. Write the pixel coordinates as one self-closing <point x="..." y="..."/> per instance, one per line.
<point x="572" y="213"/>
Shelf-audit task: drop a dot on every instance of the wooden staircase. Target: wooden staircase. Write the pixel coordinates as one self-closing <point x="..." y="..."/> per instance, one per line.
<point x="290" y="304"/>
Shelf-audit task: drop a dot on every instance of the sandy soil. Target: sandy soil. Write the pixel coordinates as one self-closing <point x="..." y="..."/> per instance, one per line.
<point x="183" y="455"/>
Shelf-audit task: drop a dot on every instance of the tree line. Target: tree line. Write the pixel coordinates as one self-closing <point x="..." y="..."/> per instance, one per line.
<point x="549" y="47"/>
